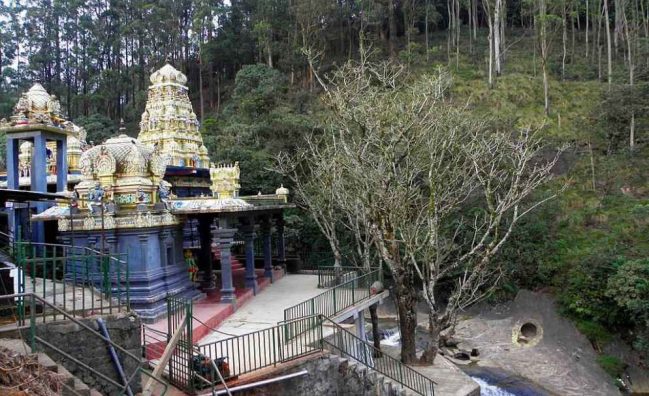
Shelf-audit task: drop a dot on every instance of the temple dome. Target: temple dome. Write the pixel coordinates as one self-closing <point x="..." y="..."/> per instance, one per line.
<point x="74" y="144"/>
<point x="282" y="190"/>
<point x="168" y="74"/>
<point x="127" y="169"/>
<point x="38" y="97"/>
<point x="121" y="156"/>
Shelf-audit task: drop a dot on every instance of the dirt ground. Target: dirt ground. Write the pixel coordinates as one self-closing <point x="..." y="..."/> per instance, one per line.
<point x="558" y="358"/>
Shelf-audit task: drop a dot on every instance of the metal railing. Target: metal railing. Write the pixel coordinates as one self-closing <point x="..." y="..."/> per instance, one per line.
<point x="6" y="243"/>
<point x="263" y="348"/>
<point x="346" y="344"/>
<point x="330" y="276"/>
<point x="336" y="299"/>
<point x="78" y="280"/>
<point x="32" y="315"/>
<point x="179" y="318"/>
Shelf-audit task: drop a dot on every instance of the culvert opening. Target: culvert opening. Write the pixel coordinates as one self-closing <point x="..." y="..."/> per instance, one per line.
<point x="527" y="333"/>
<point x="529" y="330"/>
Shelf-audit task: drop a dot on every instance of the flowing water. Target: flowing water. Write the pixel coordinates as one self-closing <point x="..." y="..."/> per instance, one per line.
<point x="492" y="381"/>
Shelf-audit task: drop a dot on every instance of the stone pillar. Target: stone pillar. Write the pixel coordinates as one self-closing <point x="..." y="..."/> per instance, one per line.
<point x="208" y="284"/>
<point x="13" y="177"/>
<point x="225" y="239"/>
<point x="360" y="325"/>
<point x="266" y="228"/>
<point x="281" y="244"/>
<point x="13" y="173"/>
<point x="39" y="183"/>
<point x="61" y="165"/>
<point x="248" y="230"/>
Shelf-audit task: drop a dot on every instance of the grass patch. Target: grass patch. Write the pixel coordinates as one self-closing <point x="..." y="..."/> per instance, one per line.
<point x="612" y="365"/>
<point x="595" y="332"/>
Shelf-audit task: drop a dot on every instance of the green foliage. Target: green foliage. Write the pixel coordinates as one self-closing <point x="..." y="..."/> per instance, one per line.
<point x="258" y="88"/>
<point x="616" y="109"/>
<point x="629" y="287"/>
<point x="99" y="127"/>
<point x="612" y="365"/>
<point x="594" y="331"/>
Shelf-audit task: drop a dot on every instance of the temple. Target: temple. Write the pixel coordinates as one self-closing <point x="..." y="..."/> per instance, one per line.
<point x="156" y="200"/>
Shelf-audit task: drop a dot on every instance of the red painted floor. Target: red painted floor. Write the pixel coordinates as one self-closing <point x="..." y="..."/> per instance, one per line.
<point x="209" y="311"/>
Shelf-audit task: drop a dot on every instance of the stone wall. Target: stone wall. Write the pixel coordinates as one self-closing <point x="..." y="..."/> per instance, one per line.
<point x="328" y="375"/>
<point x="80" y="343"/>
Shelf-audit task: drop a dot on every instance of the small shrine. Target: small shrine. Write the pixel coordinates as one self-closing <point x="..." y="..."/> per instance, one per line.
<point x="43" y="152"/>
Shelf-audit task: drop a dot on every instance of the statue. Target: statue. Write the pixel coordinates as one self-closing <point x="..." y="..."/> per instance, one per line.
<point x="164" y="192"/>
<point x="22" y="107"/>
<point x="54" y="106"/>
<point x="96" y="197"/>
<point x="141" y="196"/>
<point x="141" y="200"/>
<point x="97" y="194"/>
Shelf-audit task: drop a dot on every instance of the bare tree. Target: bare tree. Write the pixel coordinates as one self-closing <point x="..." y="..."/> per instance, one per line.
<point x="313" y="181"/>
<point x="438" y="191"/>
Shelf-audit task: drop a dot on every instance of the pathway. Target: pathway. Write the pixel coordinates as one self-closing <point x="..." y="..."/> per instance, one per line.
<point x="267" y="308"/>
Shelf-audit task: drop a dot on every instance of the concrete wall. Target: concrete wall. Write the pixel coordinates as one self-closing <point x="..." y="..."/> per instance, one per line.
<point x="328" y="375"/>
<point x="83" y="345"/>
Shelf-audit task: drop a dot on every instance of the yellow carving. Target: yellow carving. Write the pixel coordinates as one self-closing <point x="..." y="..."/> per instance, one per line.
<point x="225" y="180"/>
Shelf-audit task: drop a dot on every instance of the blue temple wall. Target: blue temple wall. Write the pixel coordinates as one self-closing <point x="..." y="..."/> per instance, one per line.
<point x="156" y="266"/>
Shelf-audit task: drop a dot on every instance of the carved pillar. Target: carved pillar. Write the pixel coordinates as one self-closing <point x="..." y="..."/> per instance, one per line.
<point x="208" y="284"/>
<point x="61" y="165"/>
<point x="225" y="239"/>
<point x="281" y="244"/>
<point x="248" y="230"/>
<point x="266" y="228"/>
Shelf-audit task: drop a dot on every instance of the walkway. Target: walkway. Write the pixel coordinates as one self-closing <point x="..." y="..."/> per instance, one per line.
<point x="267" y="308"/>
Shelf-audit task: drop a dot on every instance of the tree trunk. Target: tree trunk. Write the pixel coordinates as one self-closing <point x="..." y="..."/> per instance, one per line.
<point x="392" y="19"/>
<point x="587" y="13"/>
<point x="564" y="39"/>
<point x="426" y="32"/>
<point x="434" y="330"/>
<point x="406" y="296"/>
<point x="608" y="45"/>
<point x="496" y="36"/>
<point x="376" y="337"/>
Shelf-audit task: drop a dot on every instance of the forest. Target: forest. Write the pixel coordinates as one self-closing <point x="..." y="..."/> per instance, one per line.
<point x="576" y="70"/>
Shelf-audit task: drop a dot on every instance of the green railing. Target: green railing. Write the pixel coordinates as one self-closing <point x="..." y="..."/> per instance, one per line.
<point x="346" y="344"/>
<point x="179" y="317"/>
<point x="37" y="310"/>
<point x="329" y="276"/>
<point x="337" y="299"/>
<point x="78" y="280"/>
<point x="268" y="347"/>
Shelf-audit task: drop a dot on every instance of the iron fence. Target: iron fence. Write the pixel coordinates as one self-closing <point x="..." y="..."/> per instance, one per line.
<point x="179" y="318"/>
<point x="79" y="280"/>
<point x="346" y="344"/>
<point x="336" y="299"/>
<point x="268" y="347"/>
<point x="37" y="310"/>
<point x="329" y="276"/>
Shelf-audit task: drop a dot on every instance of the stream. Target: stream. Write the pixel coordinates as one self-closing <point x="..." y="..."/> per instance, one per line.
<point x="492" y="381"/>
